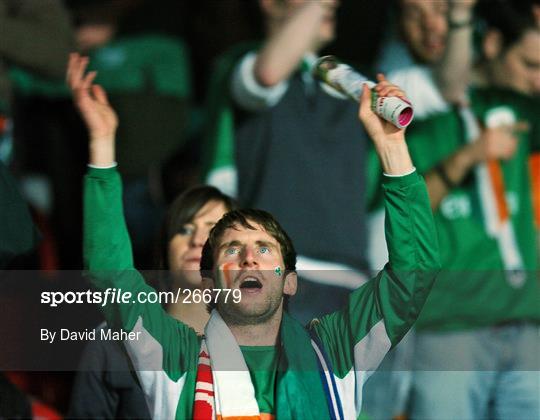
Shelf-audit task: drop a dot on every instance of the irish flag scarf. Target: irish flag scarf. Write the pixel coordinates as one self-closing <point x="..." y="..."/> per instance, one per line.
<point x="495" y="209"/>
<point x="224" y="389"/>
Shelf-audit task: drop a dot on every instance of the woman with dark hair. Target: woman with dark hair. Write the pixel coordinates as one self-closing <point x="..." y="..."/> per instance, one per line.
<point x="106" y="386"/>
<point x="184" y="232"/>
<point x="510" y="54"/>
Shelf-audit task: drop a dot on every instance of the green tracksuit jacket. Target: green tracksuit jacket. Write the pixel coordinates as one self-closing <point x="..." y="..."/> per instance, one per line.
<point x="355" y="338"/>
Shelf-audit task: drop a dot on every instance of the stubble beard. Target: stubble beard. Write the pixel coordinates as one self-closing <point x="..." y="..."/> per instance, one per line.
<point x="232" y="315"/>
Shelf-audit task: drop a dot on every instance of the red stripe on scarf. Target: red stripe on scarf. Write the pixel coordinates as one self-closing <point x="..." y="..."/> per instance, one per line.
<point x="203" y="406"/>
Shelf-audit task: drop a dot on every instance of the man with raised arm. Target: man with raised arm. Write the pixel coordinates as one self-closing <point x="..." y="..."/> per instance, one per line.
<point x="254" y="360"/>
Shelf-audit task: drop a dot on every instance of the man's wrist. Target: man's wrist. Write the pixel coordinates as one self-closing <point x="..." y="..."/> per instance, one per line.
<point x="459" y="24"/>
<point x="470" y="155"/>
<point x="400" y="175"/>
<point x="101" y="138"/>
<point x="102" y="151"/>
<point x="394" y="156"/>
<point x="112" y="165"/>
<point x="441" y="171"/>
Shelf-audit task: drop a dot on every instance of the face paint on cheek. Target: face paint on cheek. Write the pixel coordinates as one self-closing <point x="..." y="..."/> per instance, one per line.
<point x="227" y="274"/>
<point x="277" y="271"/>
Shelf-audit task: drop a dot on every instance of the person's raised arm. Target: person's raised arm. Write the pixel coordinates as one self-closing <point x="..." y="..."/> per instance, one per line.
<point x="260" y="79"/>
<point x="289" y="40"/>
<point x="389" y="141"/>
<point x="107" y="245"/>
<point x="498" y="143"/>
<point x="380" y="312"/>
<point x="163" y="348"/>
<point x="452" y="72"/>
<point x="400" y="174"/>
<point x="92" y="102"/>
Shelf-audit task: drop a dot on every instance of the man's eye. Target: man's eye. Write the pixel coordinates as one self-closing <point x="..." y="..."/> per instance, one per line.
<point x="231" y="251"/>
<point x="264" y="250"/>
<point x="186" y="230"/>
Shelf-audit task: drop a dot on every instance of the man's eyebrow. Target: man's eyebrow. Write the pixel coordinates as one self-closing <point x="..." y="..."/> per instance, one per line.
<point x="531" y="62"/>
<point x="267" y="244"/>
<point x="230" y="243"/>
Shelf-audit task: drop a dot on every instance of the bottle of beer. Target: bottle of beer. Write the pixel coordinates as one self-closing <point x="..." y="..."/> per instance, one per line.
<point x="349" y="82"/>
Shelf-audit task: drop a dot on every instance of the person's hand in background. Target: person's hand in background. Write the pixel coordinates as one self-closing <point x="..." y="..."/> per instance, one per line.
<point x="91" y="101"/>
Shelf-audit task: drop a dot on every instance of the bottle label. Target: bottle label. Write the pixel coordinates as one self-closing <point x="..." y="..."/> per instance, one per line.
<point x="349" y="82"/>
<point x="392" y="109"/>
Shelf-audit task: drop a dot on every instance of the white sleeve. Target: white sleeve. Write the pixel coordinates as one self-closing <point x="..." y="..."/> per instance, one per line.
<point x="112" y="165"/>
<point x="248" y="93"/>
<point x="225" y="179"/>
<point x="421" y="90"/>
<point x="400" y="175"/>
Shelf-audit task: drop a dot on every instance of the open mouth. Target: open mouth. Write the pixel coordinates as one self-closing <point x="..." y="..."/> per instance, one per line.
<point x="250" y="283"/>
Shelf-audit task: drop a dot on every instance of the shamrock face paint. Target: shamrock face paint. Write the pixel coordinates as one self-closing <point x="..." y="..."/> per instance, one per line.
<point x="277" y="271"/>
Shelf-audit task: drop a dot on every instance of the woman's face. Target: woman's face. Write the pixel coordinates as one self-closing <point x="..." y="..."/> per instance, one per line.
<point x="518" y="68"/>
<point x="185" y="247"/>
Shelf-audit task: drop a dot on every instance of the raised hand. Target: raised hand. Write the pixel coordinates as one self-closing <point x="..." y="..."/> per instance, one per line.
<point x="389" y="140"/>
<point x="378" y="128"/>
<point x="497" y="143"/>
<point x="93" y="105"/>
<point x="90" y="99"/>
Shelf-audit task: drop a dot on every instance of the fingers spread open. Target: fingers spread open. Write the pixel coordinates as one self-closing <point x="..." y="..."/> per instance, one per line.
<point x="100" y="95"/>
<point x="77" y="72"/>
<point x="88" y="79"/>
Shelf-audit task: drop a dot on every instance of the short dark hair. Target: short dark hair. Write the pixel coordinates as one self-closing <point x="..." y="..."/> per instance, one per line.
<point x="245" y="218"/>
<point x="512" y="21"/>
<point x="183" y="210"/>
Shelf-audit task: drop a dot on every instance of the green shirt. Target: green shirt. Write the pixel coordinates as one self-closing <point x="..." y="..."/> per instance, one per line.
<point x="472" y="290"/>
<point x="262" y="362"/>
<point x="355" y="338"/>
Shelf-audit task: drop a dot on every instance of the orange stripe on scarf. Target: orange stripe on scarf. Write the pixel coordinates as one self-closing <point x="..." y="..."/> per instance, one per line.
<point x="262" y="416"/>
<point x="534" y="167"/>
<point x="497" y="182"/>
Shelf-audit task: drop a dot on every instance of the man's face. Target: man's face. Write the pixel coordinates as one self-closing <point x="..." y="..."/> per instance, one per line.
<point x="185" y="247"/>
<point x="424" y="28"/>
<point x="251" y="260"/>
<point x="518" y="68"/>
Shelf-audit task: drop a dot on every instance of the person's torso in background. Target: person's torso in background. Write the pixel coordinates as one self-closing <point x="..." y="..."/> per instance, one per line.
<point x="473" y="289"/>
<point x="303" y="161"/>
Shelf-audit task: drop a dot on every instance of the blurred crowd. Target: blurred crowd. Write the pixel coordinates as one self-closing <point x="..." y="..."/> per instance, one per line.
<point x="219" y="95"/>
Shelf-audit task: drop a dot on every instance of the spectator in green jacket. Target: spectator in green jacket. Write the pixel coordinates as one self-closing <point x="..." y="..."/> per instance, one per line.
<point x="254" y="358"/>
